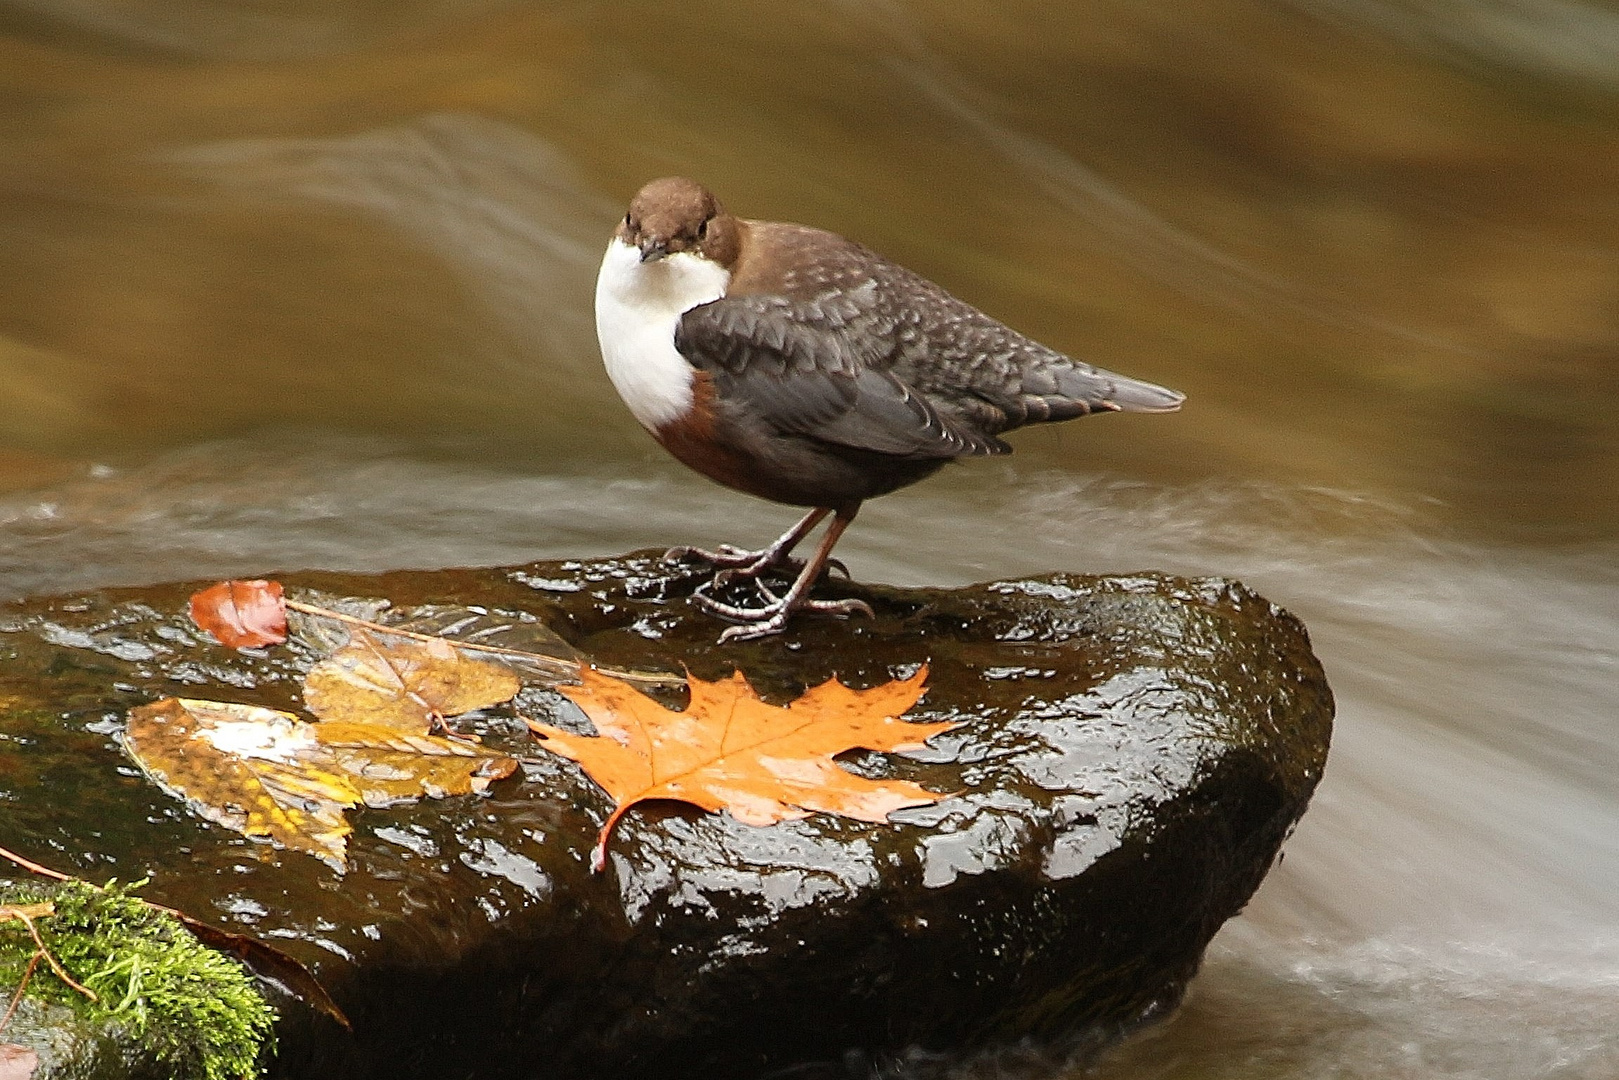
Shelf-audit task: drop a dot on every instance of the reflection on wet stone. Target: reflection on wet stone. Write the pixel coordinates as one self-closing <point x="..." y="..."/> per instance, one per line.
<point x="1131" y="753"/>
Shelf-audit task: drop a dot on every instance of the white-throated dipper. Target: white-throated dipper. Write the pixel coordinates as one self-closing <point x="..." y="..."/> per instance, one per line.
<point x="795" y="365"/>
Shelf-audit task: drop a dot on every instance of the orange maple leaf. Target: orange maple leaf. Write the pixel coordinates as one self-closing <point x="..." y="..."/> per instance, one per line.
<point x="731" y="751"/>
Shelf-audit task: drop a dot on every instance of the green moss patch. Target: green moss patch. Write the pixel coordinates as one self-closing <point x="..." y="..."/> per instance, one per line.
<point x="192" y="1009"/>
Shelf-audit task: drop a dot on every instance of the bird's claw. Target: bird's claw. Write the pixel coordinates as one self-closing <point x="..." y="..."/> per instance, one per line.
<point x="772" y="618"/>
<point x="777" y="622"/>
<point x="844" y="608"/>
<point x="750" y="631"/>
<point x="728" y="556"/>
<point x="735" y="562"/>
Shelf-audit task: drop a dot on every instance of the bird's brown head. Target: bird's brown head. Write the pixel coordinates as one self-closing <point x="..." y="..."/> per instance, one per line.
<point x="675" y="214"/>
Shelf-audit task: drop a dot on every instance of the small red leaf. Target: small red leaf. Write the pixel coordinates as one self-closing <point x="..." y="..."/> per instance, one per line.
<point x="242" y="614"/>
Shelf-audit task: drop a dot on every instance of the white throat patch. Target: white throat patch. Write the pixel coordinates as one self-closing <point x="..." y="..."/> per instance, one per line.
<point x="638" y="306"/>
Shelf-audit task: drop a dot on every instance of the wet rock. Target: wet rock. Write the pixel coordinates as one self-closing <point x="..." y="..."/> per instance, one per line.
<point x="1132" y="752"/>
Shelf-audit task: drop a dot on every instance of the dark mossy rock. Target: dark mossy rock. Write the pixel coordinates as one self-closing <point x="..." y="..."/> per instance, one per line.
<point x="1132" y="752"/>
<point x="153" y="1003"/>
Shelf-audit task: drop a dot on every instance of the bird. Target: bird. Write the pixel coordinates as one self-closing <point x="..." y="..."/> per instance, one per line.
<point x="792" y="364"/>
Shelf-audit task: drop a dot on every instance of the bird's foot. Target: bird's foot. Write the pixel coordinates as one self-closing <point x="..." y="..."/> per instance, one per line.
<point x="734" y="562"/>
<point x="727" y="557"/>
<point x="787" y="565"/>
<point x="772" y="618"/>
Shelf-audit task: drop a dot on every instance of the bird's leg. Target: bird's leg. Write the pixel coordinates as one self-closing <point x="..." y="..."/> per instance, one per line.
<point x="772" y="617"/>
<point x="735" y="562"/>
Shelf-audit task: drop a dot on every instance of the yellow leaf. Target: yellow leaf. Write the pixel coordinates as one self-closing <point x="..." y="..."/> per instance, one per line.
<point x="731" y="751"/>
<point x="270" y="776"/>
<point x="408" y="686"/>
<point x="389" y="766"/>
<point x="251" y="769"/>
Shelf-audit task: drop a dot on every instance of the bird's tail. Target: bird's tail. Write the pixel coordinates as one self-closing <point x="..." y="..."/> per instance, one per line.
<point x="1133" y="395"/>
<point x="1065" y="388"/>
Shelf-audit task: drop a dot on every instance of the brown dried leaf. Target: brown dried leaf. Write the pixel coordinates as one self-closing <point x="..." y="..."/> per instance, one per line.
<point x="267" y="962"/>
<point x="242" y="614"/>
<point x="731" y="751"/>
<point x="408" y="686"/>
<point x="270" y="776"/>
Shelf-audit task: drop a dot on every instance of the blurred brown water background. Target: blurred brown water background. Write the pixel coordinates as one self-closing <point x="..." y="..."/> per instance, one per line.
<point x="296" y="284"/>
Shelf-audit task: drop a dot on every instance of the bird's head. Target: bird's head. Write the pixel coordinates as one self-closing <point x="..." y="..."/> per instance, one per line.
<point x="674" y="214"/>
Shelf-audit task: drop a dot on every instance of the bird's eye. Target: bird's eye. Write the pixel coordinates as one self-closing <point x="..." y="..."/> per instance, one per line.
<point x="628" y="222"/>
<point x="702" y="230"/>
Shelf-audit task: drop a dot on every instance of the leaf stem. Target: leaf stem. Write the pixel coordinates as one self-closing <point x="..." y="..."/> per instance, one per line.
<point x="29" y="864"/>
<point x="25" y="915"/>
<point x="22" y="984"/>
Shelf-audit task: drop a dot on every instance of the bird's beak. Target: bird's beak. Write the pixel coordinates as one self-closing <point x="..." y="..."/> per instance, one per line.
<point x="653" y="250"/>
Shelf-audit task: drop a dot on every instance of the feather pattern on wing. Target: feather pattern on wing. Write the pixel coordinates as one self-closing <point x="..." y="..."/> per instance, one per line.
<point x="828" y="340"/>
<point x="801" y="379"/>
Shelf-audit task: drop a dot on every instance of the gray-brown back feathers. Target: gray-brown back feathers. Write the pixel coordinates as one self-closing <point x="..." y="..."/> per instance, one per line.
<point x="845" y="346"/>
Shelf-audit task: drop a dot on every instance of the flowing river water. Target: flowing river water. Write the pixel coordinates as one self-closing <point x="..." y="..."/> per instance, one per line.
<point x="306" y="283"/>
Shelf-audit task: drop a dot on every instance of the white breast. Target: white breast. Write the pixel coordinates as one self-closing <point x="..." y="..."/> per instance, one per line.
<point x="638" y="305"/>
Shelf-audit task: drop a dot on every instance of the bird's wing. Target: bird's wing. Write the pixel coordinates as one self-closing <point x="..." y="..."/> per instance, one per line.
<point x="980" y="375"/>
<point x="818" y="368"/>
